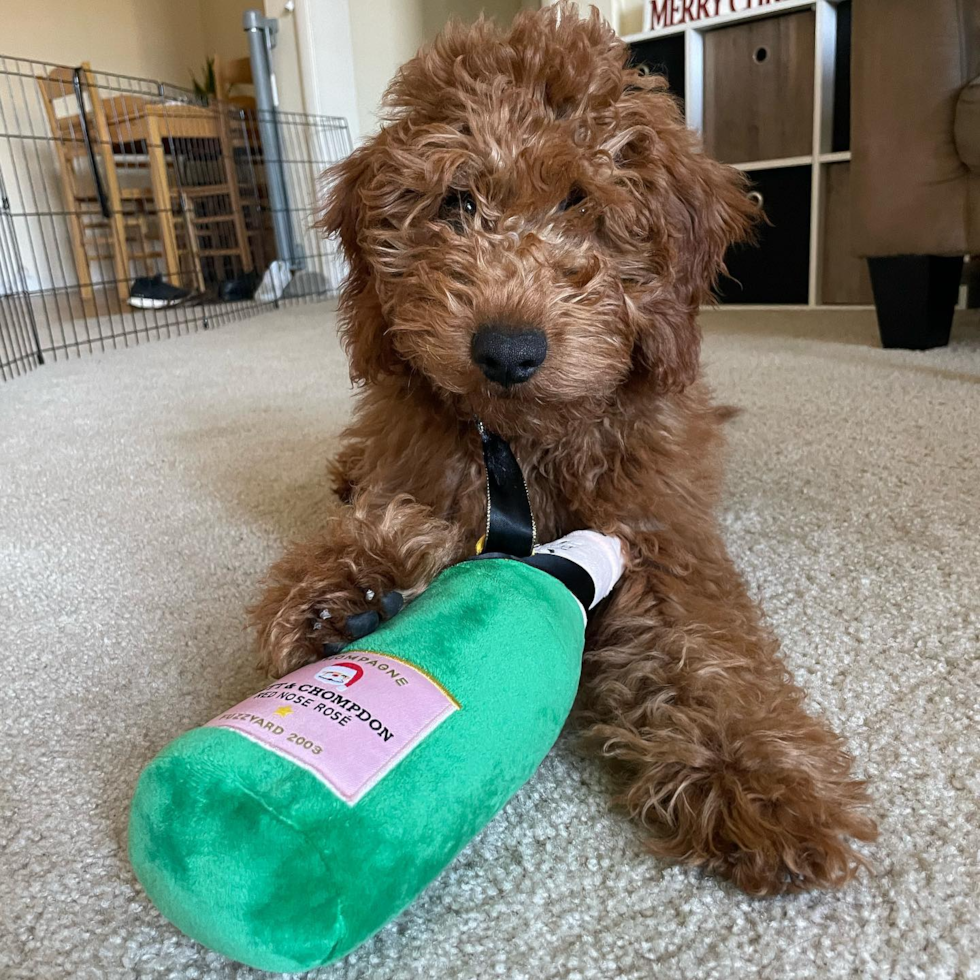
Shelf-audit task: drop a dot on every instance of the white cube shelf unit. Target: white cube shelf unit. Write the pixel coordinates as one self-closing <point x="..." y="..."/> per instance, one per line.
<point x="766" y="83"/>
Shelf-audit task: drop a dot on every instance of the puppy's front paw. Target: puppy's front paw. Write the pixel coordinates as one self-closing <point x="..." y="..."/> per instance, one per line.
<point x="338" y="587"/>
<point x="309" y="611"/>
<point x="357" y="624"/>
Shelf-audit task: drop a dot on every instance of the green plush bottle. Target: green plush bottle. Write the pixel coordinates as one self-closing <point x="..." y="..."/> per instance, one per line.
<point x="293" y="826"/>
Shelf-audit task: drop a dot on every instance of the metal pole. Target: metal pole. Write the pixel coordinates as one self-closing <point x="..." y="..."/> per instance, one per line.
<point x="262" y="32"/>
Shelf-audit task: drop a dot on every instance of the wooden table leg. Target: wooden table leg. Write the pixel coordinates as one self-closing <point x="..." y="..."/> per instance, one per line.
<point x="161" y="199"/>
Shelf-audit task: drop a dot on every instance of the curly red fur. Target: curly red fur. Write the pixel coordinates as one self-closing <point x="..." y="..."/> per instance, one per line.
<point x="595" y="219"/>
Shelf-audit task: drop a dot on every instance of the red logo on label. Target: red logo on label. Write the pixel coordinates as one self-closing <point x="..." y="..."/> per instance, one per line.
<point x="343" y="674"/>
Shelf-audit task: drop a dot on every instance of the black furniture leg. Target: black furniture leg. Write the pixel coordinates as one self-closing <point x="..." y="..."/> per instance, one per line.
<point x="915" y="296"/>
<point x="971" y="279"/>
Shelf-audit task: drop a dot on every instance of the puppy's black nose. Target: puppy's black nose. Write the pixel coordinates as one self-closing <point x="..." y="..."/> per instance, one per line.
<point x="508" y="356"/>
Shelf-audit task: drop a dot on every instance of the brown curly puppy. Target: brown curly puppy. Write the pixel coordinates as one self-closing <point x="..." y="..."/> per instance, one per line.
<point x="530" y="237"/>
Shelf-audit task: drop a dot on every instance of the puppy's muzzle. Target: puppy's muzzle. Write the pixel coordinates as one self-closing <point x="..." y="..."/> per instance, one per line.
<point x="508" y="356"/>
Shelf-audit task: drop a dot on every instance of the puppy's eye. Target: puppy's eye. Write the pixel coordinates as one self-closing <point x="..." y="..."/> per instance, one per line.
<point x="575" y="200"/>
<point x="456" y="207"/>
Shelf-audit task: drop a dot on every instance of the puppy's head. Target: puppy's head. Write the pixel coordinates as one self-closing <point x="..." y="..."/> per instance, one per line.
<point x="533" y="225"/>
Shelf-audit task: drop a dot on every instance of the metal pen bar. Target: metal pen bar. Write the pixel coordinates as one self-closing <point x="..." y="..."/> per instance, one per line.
<point x="107" y="180"/>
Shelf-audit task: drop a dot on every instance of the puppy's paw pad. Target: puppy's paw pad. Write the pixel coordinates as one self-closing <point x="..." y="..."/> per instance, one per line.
<point x="360" y="624"/>
<point x="392" y="603"/>
<point x="356" y="624"/>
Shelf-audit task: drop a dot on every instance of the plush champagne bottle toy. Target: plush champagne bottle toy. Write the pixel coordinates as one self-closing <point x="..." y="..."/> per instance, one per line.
<point x="293" y="826"/>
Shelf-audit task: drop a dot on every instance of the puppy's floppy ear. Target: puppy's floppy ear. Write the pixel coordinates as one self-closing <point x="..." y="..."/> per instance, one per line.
<point x="341" y="211"/>
<point x="696" y="208"/>
<point x="363" y="324"/>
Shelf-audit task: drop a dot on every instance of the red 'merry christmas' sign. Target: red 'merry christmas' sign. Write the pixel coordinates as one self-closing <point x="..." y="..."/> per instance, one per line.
<point x="675" y="13"/>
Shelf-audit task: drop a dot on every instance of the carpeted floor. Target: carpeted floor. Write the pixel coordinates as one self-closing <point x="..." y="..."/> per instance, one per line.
<point x="143" y="493"/>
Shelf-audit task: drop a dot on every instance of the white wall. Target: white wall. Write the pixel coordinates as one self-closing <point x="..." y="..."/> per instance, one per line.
<point x="342" y="61"/>
<point x="151" y="38"/>
<point x="222" y="24"/>
<point x="387" y="33"/>
<point x="314" y="59"/>
<point x="159" y="39"/>
<point x="627" y="15"/>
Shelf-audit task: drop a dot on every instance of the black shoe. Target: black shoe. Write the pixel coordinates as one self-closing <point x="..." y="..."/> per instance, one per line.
<point x="154" y="294"/>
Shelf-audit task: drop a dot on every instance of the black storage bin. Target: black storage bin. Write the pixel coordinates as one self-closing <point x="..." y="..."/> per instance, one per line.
<point x="662" y="56"/>
<point x="841" y="139"/>
<point x="777" y="269"/>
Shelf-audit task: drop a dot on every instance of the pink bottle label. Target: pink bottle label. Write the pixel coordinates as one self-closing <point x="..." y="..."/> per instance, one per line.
<point x="347" y="719"/>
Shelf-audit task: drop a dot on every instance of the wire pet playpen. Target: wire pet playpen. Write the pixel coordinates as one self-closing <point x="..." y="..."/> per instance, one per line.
<point x="130" y="211"/>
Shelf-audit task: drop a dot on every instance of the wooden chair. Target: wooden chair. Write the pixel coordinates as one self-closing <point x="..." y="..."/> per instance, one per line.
<point x="214" y="209"/>
<point x="235" y="87"/>
<point x="204" y="189"/>
<point x="130" y="232"/>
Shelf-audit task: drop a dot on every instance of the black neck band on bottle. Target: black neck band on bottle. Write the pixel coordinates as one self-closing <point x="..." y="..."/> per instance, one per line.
<point x="572" y="575"/>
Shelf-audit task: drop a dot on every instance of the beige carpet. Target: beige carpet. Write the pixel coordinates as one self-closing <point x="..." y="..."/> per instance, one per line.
<point x="143" y="492"/>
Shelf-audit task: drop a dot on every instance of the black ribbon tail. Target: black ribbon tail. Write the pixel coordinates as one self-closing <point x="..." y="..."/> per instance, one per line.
<point x="510" y="525"/>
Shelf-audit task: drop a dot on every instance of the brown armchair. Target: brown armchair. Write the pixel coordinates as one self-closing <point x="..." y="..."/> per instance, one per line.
<point x="915" y="165"/>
